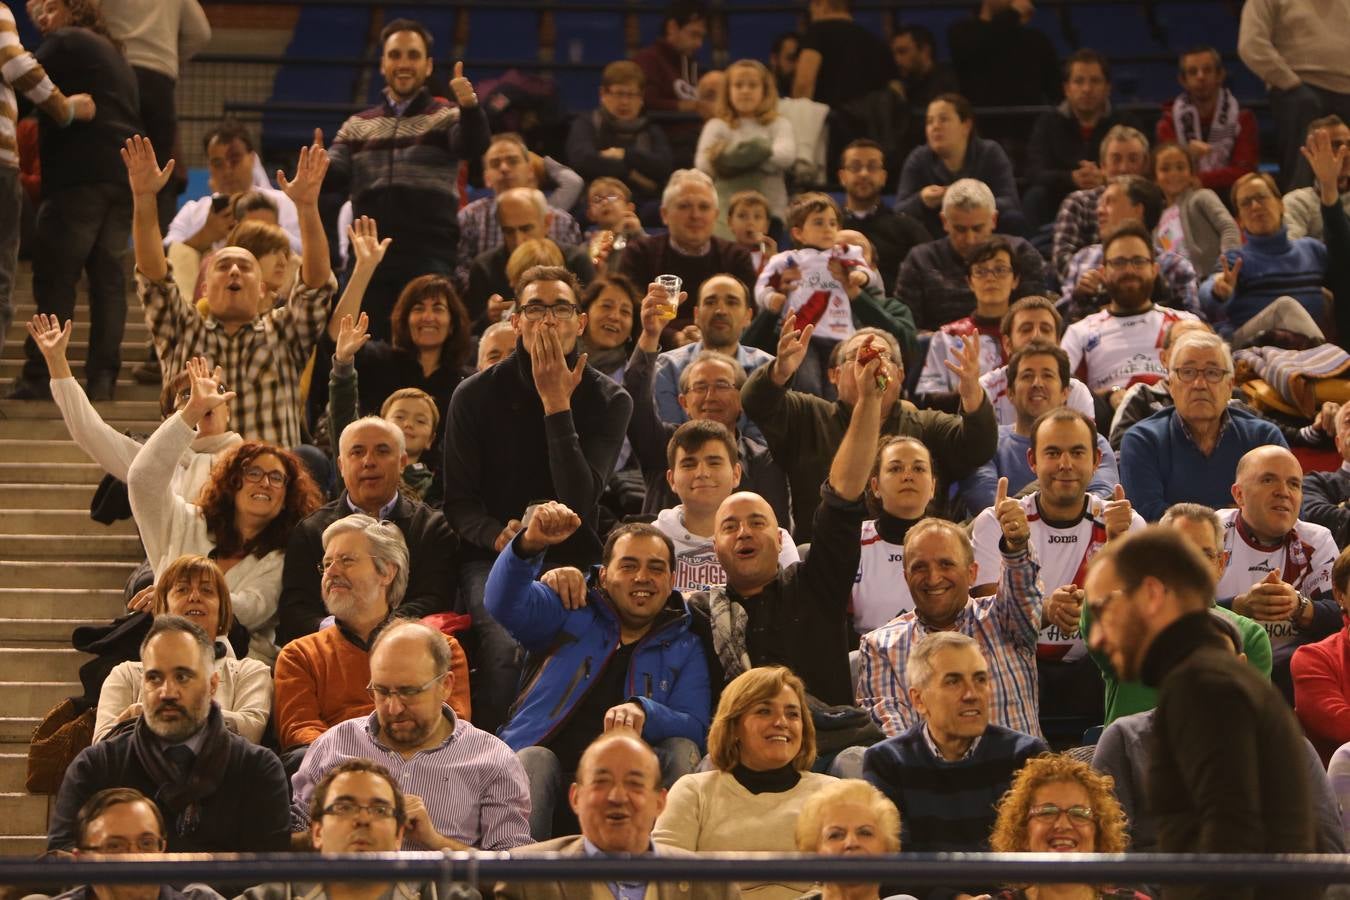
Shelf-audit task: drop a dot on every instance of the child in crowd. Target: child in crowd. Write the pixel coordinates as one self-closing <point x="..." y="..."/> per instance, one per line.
<point x="992" y="272"/>
<point x="747" y="145"/>
<point x="812" y="283"/>
<point x="613" y="218"/>
<point x="748" y="217"/>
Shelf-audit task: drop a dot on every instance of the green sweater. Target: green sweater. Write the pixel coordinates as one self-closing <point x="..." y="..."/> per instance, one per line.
<point x="1124" y="698"/>
<point x="803" y="432"/>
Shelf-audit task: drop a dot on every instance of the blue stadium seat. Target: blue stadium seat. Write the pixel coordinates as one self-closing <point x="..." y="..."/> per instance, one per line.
<point x="1186" y="23"/>
<point x="578" y="89"/>
<point x="320" y="32"/>
<point x="1049" y="22"/>
<point x="750" y="34"/>
<point x="505" y="35"/>
<point x="936" y="20"/>
<point x="1115" y="29"/>
<point x="584" y="37"/>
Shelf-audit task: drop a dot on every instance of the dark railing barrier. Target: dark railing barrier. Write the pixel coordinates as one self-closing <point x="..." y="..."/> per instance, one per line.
<point x="908" y="869"/>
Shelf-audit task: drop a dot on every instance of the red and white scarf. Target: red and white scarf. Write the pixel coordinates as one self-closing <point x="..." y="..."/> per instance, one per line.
<point x="1223" y="131"/>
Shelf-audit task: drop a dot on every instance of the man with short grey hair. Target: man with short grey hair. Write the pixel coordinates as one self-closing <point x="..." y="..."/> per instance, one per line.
<point x="688" y="249"/>
<point x="371" y="458"/>
<point x="321" y="677"/>
<point x="933" y="280"/>
<point x="947" y="772"/>
<point x="1124" y="151"/>
<point x="463" y="787"/>
<point x="523" y="214"/>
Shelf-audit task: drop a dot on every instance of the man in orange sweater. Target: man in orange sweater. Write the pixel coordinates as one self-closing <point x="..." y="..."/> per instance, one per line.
<point x="321" y="678"/>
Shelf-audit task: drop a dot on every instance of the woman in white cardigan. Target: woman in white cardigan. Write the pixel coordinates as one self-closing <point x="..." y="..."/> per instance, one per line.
<point x="747" y="145"/>
<point x="243" y="518"/>
<point x="1195" y="223"/>
<point x="194" y="587"/>
<point x="109" y="447"/>
<point x="762" y="745"/>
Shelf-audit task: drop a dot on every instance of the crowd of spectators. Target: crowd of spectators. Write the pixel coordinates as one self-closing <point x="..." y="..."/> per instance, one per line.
<point x="658" y="501"/>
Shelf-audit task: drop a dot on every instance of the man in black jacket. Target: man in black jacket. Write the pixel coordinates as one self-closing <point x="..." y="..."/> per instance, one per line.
<point x="862" y="172"/>
<point x="216" y="792"/>
<point x="1325" y="493"/>
<point x="1225" y="776"/>
<point x="795" y="617"/>
<point x="370" y="458"/>
<point x="540" y="425"/>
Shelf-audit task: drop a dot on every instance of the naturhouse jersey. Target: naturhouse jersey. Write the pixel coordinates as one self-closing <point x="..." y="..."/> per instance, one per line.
<point x="1304" y="560"/>
<point x="1107" y="350"/>
<point x="696" y="565"/>
<point x="1064" y="554"/>
<point x="880" y="592"/>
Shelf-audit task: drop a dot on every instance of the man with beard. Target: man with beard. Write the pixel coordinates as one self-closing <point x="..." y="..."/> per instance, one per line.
<point x="463" y="787"/>
<point x="862" y="173"/>
<point x="321" y="677"/>
<point x="1117" y="346"/>
<point x="216" y="791"/>
<point x="1226" y="774"/>
<point x="1190" y="452"/>
<point x="1124" y="151"/>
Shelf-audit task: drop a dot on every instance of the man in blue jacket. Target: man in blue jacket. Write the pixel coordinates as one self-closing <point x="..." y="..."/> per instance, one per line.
<point x="624" y="658"/>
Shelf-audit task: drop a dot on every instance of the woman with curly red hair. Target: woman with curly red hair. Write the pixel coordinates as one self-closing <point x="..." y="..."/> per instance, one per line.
<point x="242" y="520"/>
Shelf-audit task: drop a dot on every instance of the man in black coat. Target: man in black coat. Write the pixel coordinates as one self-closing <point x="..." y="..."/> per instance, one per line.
<point x="370" y="458"/>
<point x="1226" y="774"/>
<point x="216" y="792"/>
<point x="539" y="425"/>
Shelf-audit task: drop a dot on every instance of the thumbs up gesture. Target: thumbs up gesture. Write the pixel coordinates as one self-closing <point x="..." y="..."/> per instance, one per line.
<point x="1270" y="600"/>
<point x="463" y="88"/>
<point x="1012" y="518"/>
<point x="1118" y="514"/>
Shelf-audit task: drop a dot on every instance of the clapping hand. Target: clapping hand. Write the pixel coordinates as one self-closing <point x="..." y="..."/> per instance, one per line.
<point x="1063" y="608"/>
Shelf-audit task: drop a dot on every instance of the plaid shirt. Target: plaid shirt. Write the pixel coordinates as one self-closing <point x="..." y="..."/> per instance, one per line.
<point x="479" y="232"/>
<point x="1175" y="269"/>
<point x="1075" y="227"/>
<point x="1006" y="626"/>
<point x="262" y="361"/>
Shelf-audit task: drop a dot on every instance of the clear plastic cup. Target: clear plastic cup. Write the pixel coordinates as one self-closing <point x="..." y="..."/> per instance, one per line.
<point x="672" y="285"/>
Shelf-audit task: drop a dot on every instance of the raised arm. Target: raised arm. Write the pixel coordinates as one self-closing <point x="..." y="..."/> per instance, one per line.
<point x="146" y="178"/>
<point x="364" y="239"/>
<point x="646" y="431"/>
<point x="315" y="268"/>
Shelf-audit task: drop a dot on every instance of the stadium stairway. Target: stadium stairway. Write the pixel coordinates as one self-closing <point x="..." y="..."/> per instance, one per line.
<point x="58" y="568"/>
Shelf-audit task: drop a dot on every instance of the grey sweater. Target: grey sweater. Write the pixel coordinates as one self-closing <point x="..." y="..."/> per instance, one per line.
<point x="1210" y="229"/>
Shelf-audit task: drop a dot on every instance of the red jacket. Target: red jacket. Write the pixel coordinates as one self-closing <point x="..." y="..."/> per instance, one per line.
<point x="1321" y="675"/>
<point x="1246" y="150"/>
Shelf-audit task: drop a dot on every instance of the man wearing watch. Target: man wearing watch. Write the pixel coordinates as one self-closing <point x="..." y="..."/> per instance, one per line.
<point x="1279" y="568"/>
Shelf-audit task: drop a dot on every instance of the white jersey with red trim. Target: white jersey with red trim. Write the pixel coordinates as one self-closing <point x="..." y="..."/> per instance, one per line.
<point x="936" y="377"/>
<point x="995" y="384"/>
<point x="1108" y="350"/>
<point x="696" y="565"/>
<point x="1063" y="552"/>
<point x="1304" y="559"/>
<point x="880" y="592"/>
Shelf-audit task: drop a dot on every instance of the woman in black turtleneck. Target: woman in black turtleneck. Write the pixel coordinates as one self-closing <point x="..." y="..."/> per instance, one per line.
<point x="610" y="303"/>
<point x="902" y="487"/>
<point x="762" y="745"/>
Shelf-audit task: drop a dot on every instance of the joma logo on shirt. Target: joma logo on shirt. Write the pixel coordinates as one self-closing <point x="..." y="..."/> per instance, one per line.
<point x="1063" y="538"/>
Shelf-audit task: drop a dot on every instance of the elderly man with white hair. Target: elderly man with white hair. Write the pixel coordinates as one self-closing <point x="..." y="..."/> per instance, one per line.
<point x="1190" y="453"/>
<point x="933" y="279"/>
<point x="688" y="249"/>
<point x="371" y="457"/>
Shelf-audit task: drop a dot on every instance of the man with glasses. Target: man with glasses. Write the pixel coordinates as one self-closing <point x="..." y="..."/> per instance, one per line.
<point x="321" y="677"/>
<point x="1270" y="282"/>
<point x="1227" y="773"/>
<point x="543" y="425"/>
<point x="1303" y="206"/>
<point x="688" y="249"/>
<point x="118" y="822"/>
<point x="371" y="458"/>
<point x="1117" y="346"/>
<point x="463" y="788"/>
<point x="523" y="214"/>
<point x="1191" y="451"/>
<point x="862" y="173"/>
<point x="215" y="791"/>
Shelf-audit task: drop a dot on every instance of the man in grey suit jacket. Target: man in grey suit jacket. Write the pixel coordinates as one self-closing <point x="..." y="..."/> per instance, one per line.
<point x="617" y="797"/>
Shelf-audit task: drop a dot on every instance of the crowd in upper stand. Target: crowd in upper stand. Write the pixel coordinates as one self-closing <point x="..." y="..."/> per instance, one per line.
<point x="657" y="500"/>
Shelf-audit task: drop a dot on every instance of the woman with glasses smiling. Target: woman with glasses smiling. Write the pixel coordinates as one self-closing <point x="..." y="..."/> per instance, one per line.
<point x="242" y="519"/>
<point x="1059" y="805"/>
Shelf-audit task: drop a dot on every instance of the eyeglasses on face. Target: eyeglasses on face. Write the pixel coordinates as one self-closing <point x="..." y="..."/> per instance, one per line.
<point x="1212" y="374"/>
<point x="350" y="809"/>
<point x="256" y="475"/>
<point x="343" y="561"/>
<point x="146" y="843"/>
<point x="1049" y="812"/>
<point x="702" y="388"/>
<point x="380" y="692"/>
<point x="1121" y="263"/>
<point x="561" y="312"/>
<point x="991" y="271"/>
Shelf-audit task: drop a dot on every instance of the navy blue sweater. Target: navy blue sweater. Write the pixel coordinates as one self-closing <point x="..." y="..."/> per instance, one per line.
<point x="947" y="806"/>
<point x="1272" y="266"/>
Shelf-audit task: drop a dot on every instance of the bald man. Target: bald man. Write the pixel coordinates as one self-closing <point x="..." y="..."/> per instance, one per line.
<point x="1279" y="567"/>
<point x="523" y="214"/>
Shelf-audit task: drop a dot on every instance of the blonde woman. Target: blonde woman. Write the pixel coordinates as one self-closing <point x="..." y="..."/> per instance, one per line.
<point x="849" y="818"/>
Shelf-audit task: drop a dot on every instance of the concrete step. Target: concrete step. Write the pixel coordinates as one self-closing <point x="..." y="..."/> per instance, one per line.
<point x="127" y="388"/>
<point x="52" y="631"/>
<point x="25" y="814"/>
<point x="59" y="521"/>
<point x="135" y="324"/>
<point x="18" y="729"/>
<point x="55" y="430"/>
<point x="87" y="473"/>
<point x="147" y="410"/>
<point x="83" y="547"/>
<point x="12" y="845"/>
<point x="40" y="664"/>
<point x="33" y="451"/>
<point x="51" y="574"/>
<point x="18" y="495"/>
<point x="35" y="698"/>
<point x="13" y="771"/>
<point x="56" y="607"/>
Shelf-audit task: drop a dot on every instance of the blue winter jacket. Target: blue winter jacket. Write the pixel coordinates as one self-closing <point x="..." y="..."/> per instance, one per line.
<point x="667" y="675"/>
